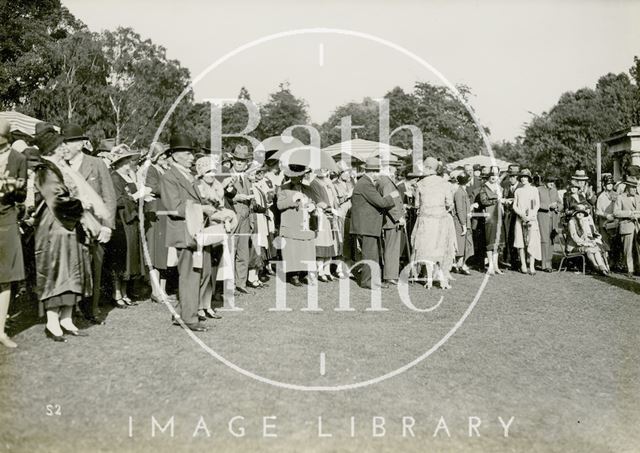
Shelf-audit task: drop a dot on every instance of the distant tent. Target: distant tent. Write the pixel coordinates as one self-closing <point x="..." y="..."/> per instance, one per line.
<point x="21" y="122"/>
<point x="362" y="149"/>
<point x="485" y="161"/>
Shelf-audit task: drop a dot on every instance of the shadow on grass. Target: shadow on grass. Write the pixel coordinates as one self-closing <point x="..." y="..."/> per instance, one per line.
<point x="620" y="282"/>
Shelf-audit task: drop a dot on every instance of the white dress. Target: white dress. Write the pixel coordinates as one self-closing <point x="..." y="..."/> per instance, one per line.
<point x="526" y="205"/>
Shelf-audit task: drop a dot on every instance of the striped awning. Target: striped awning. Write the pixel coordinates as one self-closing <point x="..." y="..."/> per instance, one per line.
<point x="21" y="122"/>
<point x="363" y="149"/>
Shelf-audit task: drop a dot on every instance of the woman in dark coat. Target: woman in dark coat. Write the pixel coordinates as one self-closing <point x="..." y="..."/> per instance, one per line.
<point x="156" y="225"/>
<point x="296" y="230"/>
<point x="13" y="174"/>
<point x="125" y="249"/>
<point x="63" y="267"/>
<point x="491" y="200"/>
<point x="462" y="221"/>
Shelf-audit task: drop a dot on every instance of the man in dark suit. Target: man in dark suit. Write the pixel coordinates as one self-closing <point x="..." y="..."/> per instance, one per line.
<point x="96" y="173"/>
<point x="393" y="227"/>
<point x="367" y="215"/>
<point x="239" y="195"/>
<point x="176" y="189"/>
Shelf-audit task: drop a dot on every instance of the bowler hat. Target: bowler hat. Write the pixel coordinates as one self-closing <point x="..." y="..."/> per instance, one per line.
<point x="73" y="132"/>
<point x="580" y="175"/>
<point x="180" y="142"/>
<point x="477" y="167"/>
<point x="241" y="152"/>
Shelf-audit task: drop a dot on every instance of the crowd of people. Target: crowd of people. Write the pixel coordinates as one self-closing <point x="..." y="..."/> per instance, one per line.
<point x="77" y="225"/>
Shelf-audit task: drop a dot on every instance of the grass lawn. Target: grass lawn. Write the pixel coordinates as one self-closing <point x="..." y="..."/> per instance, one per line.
<point x="558" y="352"/>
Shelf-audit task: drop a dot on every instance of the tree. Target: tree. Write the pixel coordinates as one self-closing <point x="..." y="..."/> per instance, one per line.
<point x="74" y="90"/>
<point x="142" y="84"/>
<point x="27" y="32"/>
<point x="565" y="138"/>
<point x="281" y="111"/>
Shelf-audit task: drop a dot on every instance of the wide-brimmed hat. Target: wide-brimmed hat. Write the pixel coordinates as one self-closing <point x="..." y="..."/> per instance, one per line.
<point x="580" y="209"/>
<point x="72" y="133"/>
<point x="34" y="157"/>
<point x="46" y="138"/>
<point x="291" y="171"/>
<point x="179" y="142"/>
<point x="120" y="152"/>
<point x="241" y="152"/>
<point x="525" y="172"/>
<point x="630" y="181"/>
<point x="580" y="175"/>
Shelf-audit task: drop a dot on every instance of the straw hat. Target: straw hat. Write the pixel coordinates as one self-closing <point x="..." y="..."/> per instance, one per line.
<point x="580" y="175"/>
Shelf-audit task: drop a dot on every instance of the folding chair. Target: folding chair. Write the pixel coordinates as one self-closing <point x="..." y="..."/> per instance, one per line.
<point x="567" y="256"/>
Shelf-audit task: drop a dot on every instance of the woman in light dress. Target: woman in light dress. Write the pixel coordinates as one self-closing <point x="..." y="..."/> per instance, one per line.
<point x="527" y="231"/>
<point x="433" y="236"/>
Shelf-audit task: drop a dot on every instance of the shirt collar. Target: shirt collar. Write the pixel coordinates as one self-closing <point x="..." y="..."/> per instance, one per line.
<point x="76" y="160"/>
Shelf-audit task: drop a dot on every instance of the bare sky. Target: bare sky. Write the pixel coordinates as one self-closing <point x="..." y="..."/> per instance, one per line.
<point x="518" y="57"/>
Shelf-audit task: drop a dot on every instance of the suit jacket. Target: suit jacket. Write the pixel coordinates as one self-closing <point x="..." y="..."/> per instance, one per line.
<point x="393" y="215"/>
<point x="175" y="190"/>
<point x="96" y="173"/>
<point x="242" y="209"/>
<point x="461" y="208"/>
<point x="473" y="188"/>
<point x="623" y="208"/>
<point x="17" y="168"/>
<point x="368" y="208"/>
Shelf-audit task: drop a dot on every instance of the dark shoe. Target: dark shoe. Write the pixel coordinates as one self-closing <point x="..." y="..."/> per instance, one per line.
<point x="212" y="314"/>
<point x="202" y="318"/>
<point x="58" y="338"/>
<point x="547" y="270"/>
<point x="323" y="279"/>
<point x="94" y="320"/>
<point x="120" y="303"/>
<point x="129" y="302"/>
<point x="75" y="333"/>
<point x="243" y="290"/>
<point x="393" y="282"/>
<point x="464" y="271"/>
<point x="196" y="327"/>
<point x="295" y="281"/>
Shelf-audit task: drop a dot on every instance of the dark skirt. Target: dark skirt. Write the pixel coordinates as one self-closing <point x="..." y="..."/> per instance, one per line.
<point x="67" y="299"/>
<point x="156" y="230"/>
<point x="491" y="228"/>
<point x="11" y="260"/>
<point x="125" y="251"/>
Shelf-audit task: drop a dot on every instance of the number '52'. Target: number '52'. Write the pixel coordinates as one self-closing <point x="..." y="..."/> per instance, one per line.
<point x="53" y="409"/>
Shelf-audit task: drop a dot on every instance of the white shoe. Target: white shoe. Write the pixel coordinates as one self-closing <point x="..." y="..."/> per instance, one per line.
<point x="5" y="340"/>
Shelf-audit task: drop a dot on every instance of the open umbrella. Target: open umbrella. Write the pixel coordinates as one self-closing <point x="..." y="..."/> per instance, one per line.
<point x="309" y="156"/>
<point x="362" y="149"/>
<point x="271" y="145"/>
